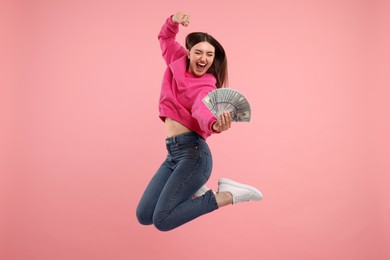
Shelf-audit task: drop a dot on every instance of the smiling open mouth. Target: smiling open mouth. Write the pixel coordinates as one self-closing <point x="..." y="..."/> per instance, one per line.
<point x="200" y="65"/>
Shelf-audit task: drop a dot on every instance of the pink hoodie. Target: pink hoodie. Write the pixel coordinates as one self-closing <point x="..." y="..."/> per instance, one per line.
<point x="181" y="91"/>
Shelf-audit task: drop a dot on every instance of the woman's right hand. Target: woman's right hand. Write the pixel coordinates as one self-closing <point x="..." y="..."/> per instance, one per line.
<point x="182" y="18"/>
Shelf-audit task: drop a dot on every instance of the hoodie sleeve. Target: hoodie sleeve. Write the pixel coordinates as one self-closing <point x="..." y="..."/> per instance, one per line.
<point x="202" y="114"/>
<point x="170" y="48"/>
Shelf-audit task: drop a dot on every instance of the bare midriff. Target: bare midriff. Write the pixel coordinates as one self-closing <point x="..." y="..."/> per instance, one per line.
<point x="173" y="128"/>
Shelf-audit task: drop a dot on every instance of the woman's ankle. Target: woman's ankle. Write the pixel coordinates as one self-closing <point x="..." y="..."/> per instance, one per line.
<point x="223" y="198"/>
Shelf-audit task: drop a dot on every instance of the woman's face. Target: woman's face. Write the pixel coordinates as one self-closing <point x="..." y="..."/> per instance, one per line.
<point x="201" y="58"/>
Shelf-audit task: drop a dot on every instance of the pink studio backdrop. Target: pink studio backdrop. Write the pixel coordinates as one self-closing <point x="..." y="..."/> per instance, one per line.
<point x="80" y="136"/>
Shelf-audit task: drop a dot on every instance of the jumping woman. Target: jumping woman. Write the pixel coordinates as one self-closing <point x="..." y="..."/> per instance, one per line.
<point x="176" y="194"/>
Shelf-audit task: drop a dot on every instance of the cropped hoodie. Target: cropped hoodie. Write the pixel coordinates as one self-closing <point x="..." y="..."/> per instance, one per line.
<point x="181" y="91"/>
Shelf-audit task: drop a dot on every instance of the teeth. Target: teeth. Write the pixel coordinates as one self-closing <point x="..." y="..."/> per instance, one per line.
<point x="202" y="64"/>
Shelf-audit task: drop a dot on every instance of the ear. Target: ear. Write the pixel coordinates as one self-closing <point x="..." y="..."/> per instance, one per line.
<point x="188" y="53"/>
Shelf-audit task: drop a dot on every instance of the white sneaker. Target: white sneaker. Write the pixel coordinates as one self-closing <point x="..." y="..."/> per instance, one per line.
<point x="240" y="192"/>
<point x="202" y="191"/>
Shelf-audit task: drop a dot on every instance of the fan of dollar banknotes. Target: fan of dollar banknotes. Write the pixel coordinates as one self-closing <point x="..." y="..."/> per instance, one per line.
<point x="228" y="100"/>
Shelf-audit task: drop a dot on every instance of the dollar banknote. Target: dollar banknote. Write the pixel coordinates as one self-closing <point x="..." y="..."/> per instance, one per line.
<point x="228" y="100"/>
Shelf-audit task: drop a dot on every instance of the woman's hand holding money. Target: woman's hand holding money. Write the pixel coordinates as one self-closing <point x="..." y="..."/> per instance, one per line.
<point x="223" y="123"/>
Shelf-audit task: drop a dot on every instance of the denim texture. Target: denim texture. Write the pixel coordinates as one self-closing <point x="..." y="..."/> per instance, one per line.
<point x="167" y="200"/>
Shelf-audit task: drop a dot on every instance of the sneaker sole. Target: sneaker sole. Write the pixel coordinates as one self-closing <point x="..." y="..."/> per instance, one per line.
<point x="240" y="185"/>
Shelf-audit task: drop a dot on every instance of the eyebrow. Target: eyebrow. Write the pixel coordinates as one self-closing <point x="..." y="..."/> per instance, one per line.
<point x="202" y="51"/>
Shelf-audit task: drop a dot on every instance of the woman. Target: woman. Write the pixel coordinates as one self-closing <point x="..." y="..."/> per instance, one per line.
<point x="176" y="194"/>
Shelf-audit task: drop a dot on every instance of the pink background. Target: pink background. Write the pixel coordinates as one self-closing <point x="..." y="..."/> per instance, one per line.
<point x="80" y="136"/>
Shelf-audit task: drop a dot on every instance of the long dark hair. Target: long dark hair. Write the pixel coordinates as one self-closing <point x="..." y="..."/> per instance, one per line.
<point x="219" y="66"/>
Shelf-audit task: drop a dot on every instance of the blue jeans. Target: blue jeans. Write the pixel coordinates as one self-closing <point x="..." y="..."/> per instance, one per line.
<point x="167" y="201"/>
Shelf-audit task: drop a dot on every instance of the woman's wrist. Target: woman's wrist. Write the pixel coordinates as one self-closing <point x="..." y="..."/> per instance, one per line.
<point x="215" y="127"/>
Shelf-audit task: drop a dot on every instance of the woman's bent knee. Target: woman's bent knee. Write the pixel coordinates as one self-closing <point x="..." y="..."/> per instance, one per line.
<point x="163" y="226"/>
<point x="144" y="217"/>
<point x="162" y="223"/>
